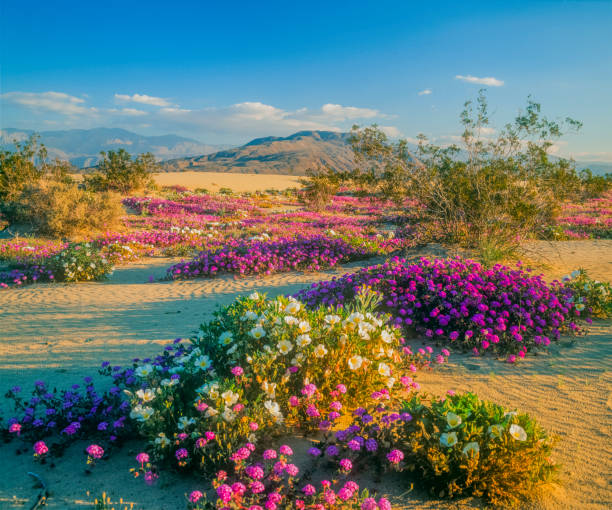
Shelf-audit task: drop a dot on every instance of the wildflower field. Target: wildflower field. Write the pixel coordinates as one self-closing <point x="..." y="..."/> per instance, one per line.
<point x="337" y="391"/>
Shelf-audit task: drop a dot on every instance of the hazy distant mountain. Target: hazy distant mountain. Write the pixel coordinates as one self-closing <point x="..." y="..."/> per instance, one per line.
<point x="82" y="146"/>
<point x="291" y="155"/>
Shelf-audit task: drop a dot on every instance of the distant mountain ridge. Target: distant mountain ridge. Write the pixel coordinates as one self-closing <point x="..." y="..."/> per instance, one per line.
<point x="290" y="155"/>
<point x="82" y="146"/>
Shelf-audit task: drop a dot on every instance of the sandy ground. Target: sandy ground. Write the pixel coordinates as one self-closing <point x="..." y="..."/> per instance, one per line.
<point x="213" y="181"/>
<point x="61" y="332"/>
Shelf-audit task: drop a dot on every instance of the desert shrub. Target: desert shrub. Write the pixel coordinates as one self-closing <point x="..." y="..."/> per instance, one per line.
<point x="79" y="262"/>
<point x="462" y="304"/>
<point x="591" y="296"/>
<point x="63" y="209"/>
<point x="319" y="188"/>
<point x="499" y="188"/>
<point x="258" y="368"/>
<point x="20" y="168"/>
<point x="455" y="446"/>
<point x="119" y="172"/>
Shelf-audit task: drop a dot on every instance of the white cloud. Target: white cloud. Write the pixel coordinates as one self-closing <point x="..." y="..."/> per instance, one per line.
<point x="490" y="81"/>
<point x="339" y="112"/>
<point x="391" y="131"/>
<point x="425" y="92"/>
<point x="56" y="102"/>
<point x="133" y="111"/>
<point x="601" y="156"/>
<point x="143" y="99"/>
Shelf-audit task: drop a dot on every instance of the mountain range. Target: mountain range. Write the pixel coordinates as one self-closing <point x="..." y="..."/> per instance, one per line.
<point x="290" y="155"/>
<point x="82" y="146"/>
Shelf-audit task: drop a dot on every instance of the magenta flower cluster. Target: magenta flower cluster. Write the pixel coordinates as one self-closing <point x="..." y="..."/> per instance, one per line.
<point x="254" y="257"/>
<point x="462" y="303"/>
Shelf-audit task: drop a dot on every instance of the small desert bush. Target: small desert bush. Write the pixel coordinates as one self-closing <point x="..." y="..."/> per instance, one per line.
<point x="455" y="446"/>
<point x="319" y="188"/>
<point x="119" y="172"/>
<point x="591" y="294"/>
<point x="65" y="210"/>
<point x="79" y="262"/>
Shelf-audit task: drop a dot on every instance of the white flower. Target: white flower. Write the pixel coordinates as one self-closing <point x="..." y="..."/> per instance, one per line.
<point x="291" y="321"/>
<point x="210" y="412"/>
<point x="185" y="422"/>
<point x="303" y="327"/>
<point x="161" y="440"/>
<point x="448" y="439"/>
<point x="390" y="382"/>
<point x="386" y="336"/>
<point x="579" y="307"/>
<point x="145" y="395"/>
<point x="269" y="388"/>
<point x="363" y="332"/>
<point x="141" y="414"/>
<point x="284" y="346"/>
<point x="144" y="371"/>
<point x="226" y="338"/>
<point x="249" y="316"/>
<point x="274" y="409"/>
<point x="203" y="363"/>
<point x="169" y="382"/>
<point x="384" y="369"/>
<point x="320" y="351"/>
<point x="229" y="397"/>
<point x="257" y="332"/>
<point x="332" y="319"/>
<point x="453" y="420"/>
<point x="292" y="308"/>
<point x="303" y="340"/>
<point x="229" y="415"/>
<point x="354" y="362"/>
<point x="355" y="318"/>
<point x="254" y="296"/>
<point x="518" y="432"/>
<point x="471" y="449"/>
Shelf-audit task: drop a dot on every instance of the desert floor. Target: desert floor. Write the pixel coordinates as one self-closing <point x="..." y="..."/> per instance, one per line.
<point x="60" y="333"/>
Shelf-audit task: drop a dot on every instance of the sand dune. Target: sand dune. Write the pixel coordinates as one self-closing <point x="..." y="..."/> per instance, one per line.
<point x="61" y="332"/>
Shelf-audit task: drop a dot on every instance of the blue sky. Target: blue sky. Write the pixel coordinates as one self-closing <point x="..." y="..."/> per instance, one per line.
<point x="226" y="72"/>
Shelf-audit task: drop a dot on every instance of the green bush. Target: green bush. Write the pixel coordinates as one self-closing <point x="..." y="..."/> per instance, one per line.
<point x="260" y="367"/>
<point x="491" y="453"/>
<point x="79" y="262"/>
<point x="454" y="446"/>
<point x="590" y="293"/>
<point x="120" y="173"/>
<point x="65" y="210"/>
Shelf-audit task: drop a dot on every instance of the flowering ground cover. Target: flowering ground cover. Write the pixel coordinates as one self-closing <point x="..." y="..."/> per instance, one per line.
<point x="253" y="257"/>
<point x="590" y="219"/>
<point x="263" y="368"/>
<point x="463" y="304"/>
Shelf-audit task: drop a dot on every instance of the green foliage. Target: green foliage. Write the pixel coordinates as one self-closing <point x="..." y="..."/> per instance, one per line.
<point x="79" y="262"/>
<point x="64" y="209"/>
<point x="493" y="187"/>
<point x="279" y="346"/>
<point x="591" y="293"/>
<point x="319" y="188"/>
<point x="461" y="445"/>
<point x="19" y="169"/>
<point x="119" y="172"/>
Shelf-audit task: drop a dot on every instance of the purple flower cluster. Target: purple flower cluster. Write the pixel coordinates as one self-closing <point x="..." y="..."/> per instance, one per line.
<point x="254" y="257"/>
<point x="460" y="302"/>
